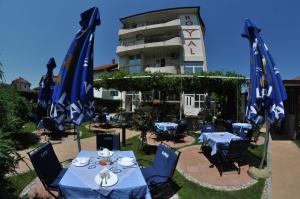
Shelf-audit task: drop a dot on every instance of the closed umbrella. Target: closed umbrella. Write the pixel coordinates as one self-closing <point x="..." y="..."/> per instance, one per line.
<point x="266" y="91"/>
<point x="73" y="99"/>
<point x="47" y="85"/>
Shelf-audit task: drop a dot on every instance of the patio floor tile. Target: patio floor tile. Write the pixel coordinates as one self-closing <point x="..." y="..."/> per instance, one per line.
<point x="195" y="164"/>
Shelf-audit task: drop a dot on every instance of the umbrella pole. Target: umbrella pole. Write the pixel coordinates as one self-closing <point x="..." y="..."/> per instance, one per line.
<point x="78" y="137"/>
<point x="266" y="141"/>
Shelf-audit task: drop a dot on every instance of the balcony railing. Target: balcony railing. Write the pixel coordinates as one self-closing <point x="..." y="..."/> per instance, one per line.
<point x="176" y="41"/>
<point x="171" y="69"/>
<point x="147" y="40"/>
<point x="149" y="26"/>
<point x="148" y="23"/>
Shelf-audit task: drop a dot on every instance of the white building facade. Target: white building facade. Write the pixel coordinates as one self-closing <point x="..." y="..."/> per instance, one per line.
<point x="102" y="93"/>
<point x="168" y="41"/>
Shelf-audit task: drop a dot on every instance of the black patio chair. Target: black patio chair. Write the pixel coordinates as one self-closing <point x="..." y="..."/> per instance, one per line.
<point x="47" y="167"/>
<point x="180" y="130"/>
<point x="159" y="174"/>
<point x="50" y="125"/>
<point x="208" y="128"/>
<point x="246" y="134"/>
<point x="236" y="151"/>
<point x="109" y="141"/>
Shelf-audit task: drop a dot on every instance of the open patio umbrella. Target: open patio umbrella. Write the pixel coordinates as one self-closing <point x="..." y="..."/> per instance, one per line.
<point x="47" y="85"/>
<point x="266" y="91"/>
<point x="73" y="99"/>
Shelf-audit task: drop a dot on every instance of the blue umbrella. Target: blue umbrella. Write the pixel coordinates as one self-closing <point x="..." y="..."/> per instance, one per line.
<point x="73" y="99"/>
<point x="266" y="91"/>
<point x="47" y="85"/>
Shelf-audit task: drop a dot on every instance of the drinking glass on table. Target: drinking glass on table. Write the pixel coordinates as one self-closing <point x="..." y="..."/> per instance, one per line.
<point x="115" y="166"/>
<point x="100" y="149"/>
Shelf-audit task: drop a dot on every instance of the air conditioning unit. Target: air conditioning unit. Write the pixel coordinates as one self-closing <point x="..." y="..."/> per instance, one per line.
<point x="139" y="36"/>
<point x="174" y="56"/>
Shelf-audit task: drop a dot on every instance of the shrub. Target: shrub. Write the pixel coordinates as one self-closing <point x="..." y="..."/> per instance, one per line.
<point x="14" y="110"/>
<point x="8" y="155"/>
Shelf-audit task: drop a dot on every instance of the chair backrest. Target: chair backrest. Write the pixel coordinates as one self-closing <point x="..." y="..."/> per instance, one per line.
<point x="45" y="163"/>
<point x="182" y="126"/>
<point x="208" y="128"/>
<point x="50" y="125"/>
<point x="109" y="141"/>
<point x="165" y="161"/>
<point x="246" y="133"/>
<point x="237" y="148"/>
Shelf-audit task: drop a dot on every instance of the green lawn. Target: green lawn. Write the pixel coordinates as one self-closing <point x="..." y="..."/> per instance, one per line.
<point x="187" y="189"/>
<point x="297" y="142"/>
<point x="12" y="187"/>
<point x="29" y="127"/>
<point x="86" y="133"/>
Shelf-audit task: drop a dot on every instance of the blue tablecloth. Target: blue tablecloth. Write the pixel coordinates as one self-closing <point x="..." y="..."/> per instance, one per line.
<point x="213" y="139"/>
<point x="165" y="126"/>
<point x="108" y="117"/>
<point x="79" y="182"/>
<point x="242" y="125"/>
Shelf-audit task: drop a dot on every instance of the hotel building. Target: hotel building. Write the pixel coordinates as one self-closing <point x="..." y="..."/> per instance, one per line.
<point x="168" y="41"/>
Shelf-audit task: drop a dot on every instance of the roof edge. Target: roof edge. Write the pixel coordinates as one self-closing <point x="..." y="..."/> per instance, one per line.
<point x="165" y="9"/>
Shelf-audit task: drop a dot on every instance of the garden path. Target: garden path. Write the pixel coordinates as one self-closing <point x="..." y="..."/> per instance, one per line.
<point x="285" y="169"/>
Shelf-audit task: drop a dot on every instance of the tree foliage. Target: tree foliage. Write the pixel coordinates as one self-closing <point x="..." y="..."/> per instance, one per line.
<point x="15" y="110"/>
<point x="1" y="73"/>
<point x="8" y="155"/>
<point x="143" y="120"/>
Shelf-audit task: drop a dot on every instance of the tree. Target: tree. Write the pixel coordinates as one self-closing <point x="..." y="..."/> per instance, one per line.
<point x="1" y="73"/>
<point x="143" y="121"/>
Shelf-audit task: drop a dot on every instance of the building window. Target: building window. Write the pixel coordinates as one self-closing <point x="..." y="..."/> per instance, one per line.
<point x="134" y="64"/>
<point x="199" y="100"/>
<point x="113" y="93"/>
<point x="193" y="67"/>
<point x="134" y="69"/>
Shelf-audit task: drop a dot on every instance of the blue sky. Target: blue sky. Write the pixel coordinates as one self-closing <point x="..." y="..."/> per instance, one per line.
<point x="33" y="30"/>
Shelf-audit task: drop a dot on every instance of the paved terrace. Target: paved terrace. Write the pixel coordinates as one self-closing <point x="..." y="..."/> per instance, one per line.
<point x="285" y="169"/>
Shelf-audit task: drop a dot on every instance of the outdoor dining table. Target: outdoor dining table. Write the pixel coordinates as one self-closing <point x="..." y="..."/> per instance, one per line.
<point x="165" y="127"/>
<point x="216" y="138"/>
<point x="79" y="182"/>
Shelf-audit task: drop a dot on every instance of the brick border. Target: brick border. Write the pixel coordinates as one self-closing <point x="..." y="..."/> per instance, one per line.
<point x="211" y="186"/>
<point x="27" y="189"/>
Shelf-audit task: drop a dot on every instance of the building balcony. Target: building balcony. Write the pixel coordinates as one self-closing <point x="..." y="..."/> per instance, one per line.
<point x="149" y="27"/>
<point x="153" y="43"/>
<point x="164" y="69"/>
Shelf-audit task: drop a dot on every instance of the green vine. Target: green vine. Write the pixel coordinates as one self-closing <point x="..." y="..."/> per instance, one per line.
<point x="216" y="81"/>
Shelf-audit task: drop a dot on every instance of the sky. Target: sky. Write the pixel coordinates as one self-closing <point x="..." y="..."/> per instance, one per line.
<point x="32" y="31"/>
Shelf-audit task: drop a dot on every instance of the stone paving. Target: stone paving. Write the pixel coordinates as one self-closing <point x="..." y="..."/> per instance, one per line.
<point x="197" y="167"/>
<point x="285" y="169"/>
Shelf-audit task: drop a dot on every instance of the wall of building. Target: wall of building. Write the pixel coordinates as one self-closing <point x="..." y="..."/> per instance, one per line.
<point x="21" y="86"/>
<point x="193" y="43"/>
